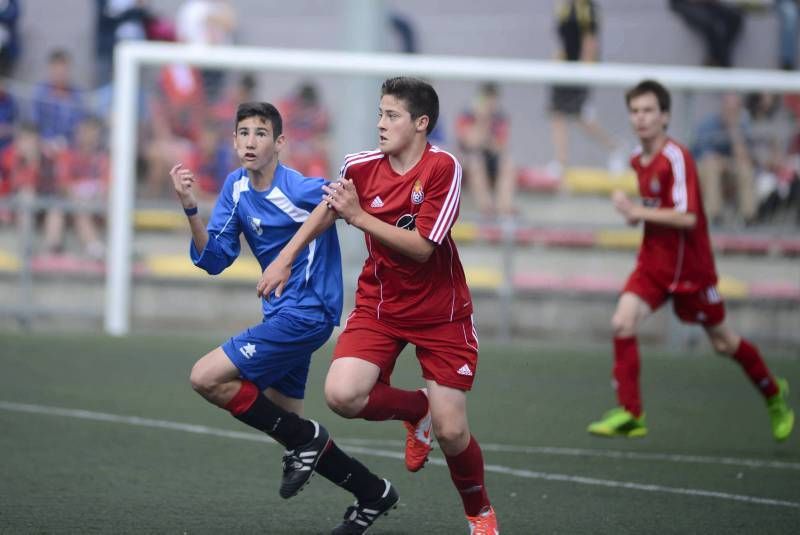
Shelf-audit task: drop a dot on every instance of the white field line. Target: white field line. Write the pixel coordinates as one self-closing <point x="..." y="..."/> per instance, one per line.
<point x="395" y="454"/>
<point x="610" y="454"/>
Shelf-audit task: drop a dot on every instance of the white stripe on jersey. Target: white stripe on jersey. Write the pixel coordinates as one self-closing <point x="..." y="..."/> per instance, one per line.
<point x="312" y="249"/>
<point x="359" y="157"/>
<point x="679" y="194"/>
<point x="448" y="213"/>
<point x="243" y="184"/>
<point x="473" y="332"/>
<point x="279" y="199"/>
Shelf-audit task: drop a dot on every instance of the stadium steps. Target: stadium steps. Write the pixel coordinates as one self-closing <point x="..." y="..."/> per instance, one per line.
<point x="246" y="270"/>
<point x="527" y="234"/>
<point x="616" y="239"/>
<point x="576" y="181"/>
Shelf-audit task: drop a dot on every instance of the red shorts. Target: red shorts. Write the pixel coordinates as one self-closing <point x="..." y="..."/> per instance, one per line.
<point x="703" y="305"/>
<point x="447" y="352"/>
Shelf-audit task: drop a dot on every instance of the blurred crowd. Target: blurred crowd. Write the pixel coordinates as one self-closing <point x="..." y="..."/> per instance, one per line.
<point x="54" y="136"/>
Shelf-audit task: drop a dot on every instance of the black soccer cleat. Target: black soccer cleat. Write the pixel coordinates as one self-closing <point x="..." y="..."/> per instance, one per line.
<point x="359" y="517"/>
<point x="299" y="463"/>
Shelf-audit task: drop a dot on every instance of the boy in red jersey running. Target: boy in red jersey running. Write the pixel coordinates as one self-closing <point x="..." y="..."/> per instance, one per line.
<point x="675" y="262"/>
<point x="405" y="197"/>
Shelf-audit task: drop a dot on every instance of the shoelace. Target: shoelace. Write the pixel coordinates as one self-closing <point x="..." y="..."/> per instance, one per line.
<point x="291" y="461"/>
<point x="356" y="515"/>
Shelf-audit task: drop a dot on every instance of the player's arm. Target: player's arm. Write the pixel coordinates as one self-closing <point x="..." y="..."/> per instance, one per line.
<point x="342" y="197"/>
<point x="184" y="180"/>
<point x="277" y="273"/>
<point x="669" y="217"/>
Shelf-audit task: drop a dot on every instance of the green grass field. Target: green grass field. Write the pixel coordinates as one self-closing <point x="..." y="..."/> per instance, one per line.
<point x="100" y="435"/>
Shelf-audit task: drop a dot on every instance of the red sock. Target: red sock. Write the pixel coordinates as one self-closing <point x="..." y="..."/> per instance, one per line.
<point x="750" y="360"/>
<point x="466" y="471"/>
<point x="243" y="399"/>
<point x="626" y="374"/>
<point x="388" y="403"/>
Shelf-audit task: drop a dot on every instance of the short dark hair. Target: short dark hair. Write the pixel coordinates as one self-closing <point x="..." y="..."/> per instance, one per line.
<point x="58" y="55"/>
<point x="420" y="97"/>
<point x="650" y="86"/>
<point x="265" y="110"/>
<point x="489" y="89"/>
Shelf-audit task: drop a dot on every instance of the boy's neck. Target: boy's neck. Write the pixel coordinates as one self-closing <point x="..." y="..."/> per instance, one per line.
<point x="261" y="179"/>
<point x="403" y="161"/>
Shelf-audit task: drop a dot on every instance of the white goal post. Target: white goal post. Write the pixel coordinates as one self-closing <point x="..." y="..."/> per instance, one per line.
<point x="130" y="57"/>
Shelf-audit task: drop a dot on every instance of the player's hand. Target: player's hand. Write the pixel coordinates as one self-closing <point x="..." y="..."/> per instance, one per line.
<point x="274" y="278"/>
<point x="342" y="197"/>
<point x="625" y="206"/>
<point x="183" y="180"/>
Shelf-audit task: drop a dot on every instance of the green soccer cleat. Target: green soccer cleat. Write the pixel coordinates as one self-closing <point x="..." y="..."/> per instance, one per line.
<point x="780" y="415"/>
<point x="618" y="423"/>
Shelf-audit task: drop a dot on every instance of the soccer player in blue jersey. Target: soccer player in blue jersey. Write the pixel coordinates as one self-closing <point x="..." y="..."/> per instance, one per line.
<point x="260" y="374"/>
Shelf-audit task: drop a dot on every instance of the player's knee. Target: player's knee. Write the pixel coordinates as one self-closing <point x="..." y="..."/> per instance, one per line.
<point x="721" y="345"/>
<point x="622" y="326"/>
<point x="342" y="401"/>
<point x="449" y="433"/>
<point x="203" y="382"/>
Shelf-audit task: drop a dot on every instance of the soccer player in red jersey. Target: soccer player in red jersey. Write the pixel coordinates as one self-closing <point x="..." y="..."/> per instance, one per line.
<point x="405" y="196"/>
<point x="675" y="262"/>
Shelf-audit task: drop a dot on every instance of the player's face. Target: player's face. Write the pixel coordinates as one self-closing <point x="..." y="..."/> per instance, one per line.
<point x="254" y="143"/>
<point x="647" y="119"/>
<point x="396" y="128"/>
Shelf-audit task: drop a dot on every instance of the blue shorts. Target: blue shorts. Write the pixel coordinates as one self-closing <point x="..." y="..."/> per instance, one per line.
<point x="277" y="352"/>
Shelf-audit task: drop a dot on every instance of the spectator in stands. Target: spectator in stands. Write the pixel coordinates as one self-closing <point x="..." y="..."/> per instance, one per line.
<point x="117" y="20"/>
<point x="9" y="37"/>
<point x="82" y="173"/>
<point x="8" y="116"/>
<point x="723" y="149"/>
<point x="242" y="90"/>
<point x="482" y="136"/>
<point x="307" y="127"/>
<point x="788" y="20"/>
<point x="177" y="115"/>
<point x="718" y="23"/>
<point x="207" y="22"/>
<point x="211" y="158"/>
<point x="29" y="169"/>
<point x="578" y="26"/>
<point x="770" y="130"/>
<point x="403" y="28"/>
<point x="57" y="104"/>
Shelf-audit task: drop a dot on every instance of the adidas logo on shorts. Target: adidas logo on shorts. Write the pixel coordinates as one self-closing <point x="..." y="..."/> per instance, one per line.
<point x="464" y="370"/>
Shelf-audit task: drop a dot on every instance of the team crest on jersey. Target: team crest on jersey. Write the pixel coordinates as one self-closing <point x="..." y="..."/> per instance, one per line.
<point x="655" y="185"/>
<point x="417" y="195"/>
<point x="255" y="224"/>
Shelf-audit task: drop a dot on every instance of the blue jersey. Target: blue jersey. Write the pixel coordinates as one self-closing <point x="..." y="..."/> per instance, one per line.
<point x="268" y="219"/>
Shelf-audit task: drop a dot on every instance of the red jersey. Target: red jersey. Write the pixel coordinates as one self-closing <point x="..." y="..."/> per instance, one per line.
<point x="392" y="286"/>
<point x="679" y="259"/>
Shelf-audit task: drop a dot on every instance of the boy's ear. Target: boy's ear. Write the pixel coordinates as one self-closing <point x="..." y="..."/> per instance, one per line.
<point x="422" y="123"/>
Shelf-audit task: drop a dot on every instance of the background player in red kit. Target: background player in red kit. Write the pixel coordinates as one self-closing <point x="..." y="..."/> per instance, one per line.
<point x="675" y="262"/>
<point x="405" y="197"/>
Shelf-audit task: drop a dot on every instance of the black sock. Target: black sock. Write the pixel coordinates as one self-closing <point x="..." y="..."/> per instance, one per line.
<point x="347" y="472"/>
<point x="284" y="426"/>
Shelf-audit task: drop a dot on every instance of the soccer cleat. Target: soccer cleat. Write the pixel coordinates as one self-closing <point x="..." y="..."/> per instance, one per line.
<point x="483" y="524"/>
<point x="359" y="517"/>
<point x="780" y="415"/>
<point x="618" y="423"/>
<point x="299" y="463"/>
<point x="418" y="440"/>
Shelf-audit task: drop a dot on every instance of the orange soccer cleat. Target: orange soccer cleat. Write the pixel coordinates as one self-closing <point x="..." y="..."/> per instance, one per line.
<point x="418" y="440"/>
<point x="485" y="523"/>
